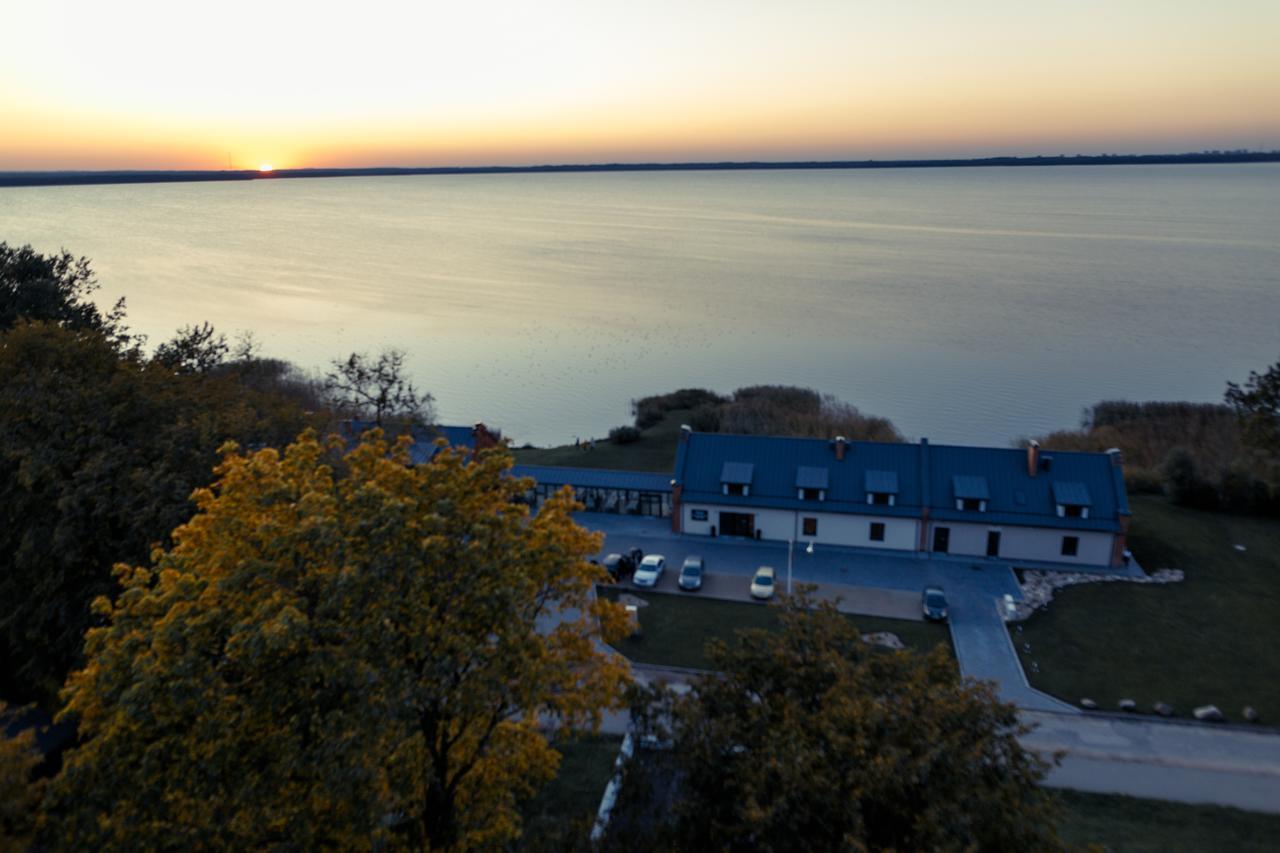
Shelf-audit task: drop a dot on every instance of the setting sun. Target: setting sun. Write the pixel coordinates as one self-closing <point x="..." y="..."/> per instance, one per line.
<point x="265" y="167"/>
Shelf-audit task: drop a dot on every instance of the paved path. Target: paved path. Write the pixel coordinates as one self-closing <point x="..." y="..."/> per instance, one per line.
<point x="1171" y="761"/>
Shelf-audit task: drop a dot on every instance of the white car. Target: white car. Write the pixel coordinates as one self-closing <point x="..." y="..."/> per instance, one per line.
<point x="650" y="570"/>
<point x="762" y="583"/>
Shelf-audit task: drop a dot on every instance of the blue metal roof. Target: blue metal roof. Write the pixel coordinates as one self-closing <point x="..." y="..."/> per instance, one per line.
<point x="809" y="477"/>
<point x="595" y="478"/>
<point x="737" y="472"/>
<point x="424" y="446"/>
<point x="882" y="482"/>
<point x="1070" y="493"/>
<point x="927" y="475"/>
<point x="969" y="486"/>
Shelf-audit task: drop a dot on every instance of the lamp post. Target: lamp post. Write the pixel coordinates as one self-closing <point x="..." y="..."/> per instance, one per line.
<point x="791" y="547"/>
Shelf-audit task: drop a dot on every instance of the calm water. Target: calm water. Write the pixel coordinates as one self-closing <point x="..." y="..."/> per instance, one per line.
<point x="968" y="305"/>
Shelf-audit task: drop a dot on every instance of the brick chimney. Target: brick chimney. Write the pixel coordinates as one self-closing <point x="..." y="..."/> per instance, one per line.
<point x="840" y="444"/>
<point x="483" y="438"/>
<point x="1033" y="458"/>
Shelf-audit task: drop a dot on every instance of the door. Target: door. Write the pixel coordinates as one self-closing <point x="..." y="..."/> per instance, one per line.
<point x="737" y="524"/>
<point x="941" y="539"/>
<point x="993" y="543"/>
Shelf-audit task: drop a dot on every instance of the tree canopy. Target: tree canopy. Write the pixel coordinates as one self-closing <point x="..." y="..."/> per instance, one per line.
<point x="99" y="454"/>
<point x="809" y="738"/>
<point x="378" y="390"/>
<point x="1257" y="403"/>
<point x="54" y="289"/>
<point x="337" y="653"/>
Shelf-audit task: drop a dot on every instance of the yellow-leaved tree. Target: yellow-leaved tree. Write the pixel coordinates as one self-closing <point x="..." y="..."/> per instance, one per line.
<point x="338" y="652"/>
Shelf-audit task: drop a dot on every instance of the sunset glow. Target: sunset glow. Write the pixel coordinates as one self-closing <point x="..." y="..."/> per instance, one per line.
<point x="146" y="84"/>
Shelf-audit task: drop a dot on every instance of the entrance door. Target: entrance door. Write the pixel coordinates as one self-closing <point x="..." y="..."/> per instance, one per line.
<point x="737" y="524"/>
<point x="993" y="543"/>
<point x="941" y="539"/>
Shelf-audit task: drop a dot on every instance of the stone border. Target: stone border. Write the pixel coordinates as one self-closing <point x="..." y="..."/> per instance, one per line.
<point x="1038" y="586"/>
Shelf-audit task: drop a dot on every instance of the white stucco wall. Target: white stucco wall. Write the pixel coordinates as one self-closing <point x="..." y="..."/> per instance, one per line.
<point x="833" y="528"/>
<point x="1042" y="544"/>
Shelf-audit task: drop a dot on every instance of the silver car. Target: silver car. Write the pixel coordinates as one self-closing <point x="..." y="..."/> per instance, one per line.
<point x="650" y="570"/>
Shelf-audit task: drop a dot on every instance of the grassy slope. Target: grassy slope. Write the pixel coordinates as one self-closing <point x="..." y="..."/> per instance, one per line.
<point x="1131" y="825"/>
<point x="560" y="816"/>
<point x="1215" y="638"/>
<point x="675" y="628"/>
<point x="655" y="451"/>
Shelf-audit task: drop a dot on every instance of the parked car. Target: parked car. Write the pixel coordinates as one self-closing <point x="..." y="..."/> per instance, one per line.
<point x="618" y="566"/>
<point x="934" y="604"/>
<point x="762" y="583"/>
<point x="650" y="570"/>
<point x="691" y="574"/>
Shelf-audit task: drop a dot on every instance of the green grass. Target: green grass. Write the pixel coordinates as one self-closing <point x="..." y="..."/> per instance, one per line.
<point x="655" y="451"/>
<point x="675" y="628"/>
<point x="1131" y="825"/>
<point x="560" y="816"/>
<point x="1212" y="639"/>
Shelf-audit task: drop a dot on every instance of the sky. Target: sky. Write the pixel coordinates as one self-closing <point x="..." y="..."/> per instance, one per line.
<point x="158" y="84"/>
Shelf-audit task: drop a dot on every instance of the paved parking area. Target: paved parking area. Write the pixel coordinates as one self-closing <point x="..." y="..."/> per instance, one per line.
<point x="871" y="582"/>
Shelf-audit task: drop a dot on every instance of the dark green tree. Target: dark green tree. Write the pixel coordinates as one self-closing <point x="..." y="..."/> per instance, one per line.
<point x="99" y="455"/>
<point x="810" y="739"/>
<point x="195" y="349"/>
<point x="54" y="289"/>
<point x="1257" y="403"/>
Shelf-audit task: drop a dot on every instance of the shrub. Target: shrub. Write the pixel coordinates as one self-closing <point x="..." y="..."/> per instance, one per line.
<point x="649" y="411"/>
<point x="624" y="435"/>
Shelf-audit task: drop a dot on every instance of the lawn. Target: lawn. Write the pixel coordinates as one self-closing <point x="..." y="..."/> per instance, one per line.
<point x="560" y="816"/>
<point x="675" y="628"/>
<point x="1212" y="639"/>
<point x="655" y="451"/>
<point x="1131" y="825"/>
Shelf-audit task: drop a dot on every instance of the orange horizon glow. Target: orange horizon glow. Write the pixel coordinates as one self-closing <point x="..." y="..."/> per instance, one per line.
<point x="148" y="85"/>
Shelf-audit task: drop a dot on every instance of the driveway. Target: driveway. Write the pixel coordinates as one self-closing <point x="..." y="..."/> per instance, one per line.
<point x="870" y="582"/>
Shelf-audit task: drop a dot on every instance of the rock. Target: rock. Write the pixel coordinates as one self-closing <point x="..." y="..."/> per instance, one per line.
<point x="1251" y="713"/>
<point x="1209" y="714"/>
<point x="1163" y="709"/>
<point x="1088" y="704"/>
<point x="884" y="638"/>
<point x="1240" y="548"/>
<point x="1128" y="705"/>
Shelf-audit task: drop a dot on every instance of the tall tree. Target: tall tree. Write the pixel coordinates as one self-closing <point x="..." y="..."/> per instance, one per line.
<point x="378" y="390"/>
<point x="810" y="739"/>
<point x="99" y="455"/>
<point x="338" y="660"/>
<point x="1257" y="404"/>
<point x="195" y="349"/>
<point x="54" y="289"/>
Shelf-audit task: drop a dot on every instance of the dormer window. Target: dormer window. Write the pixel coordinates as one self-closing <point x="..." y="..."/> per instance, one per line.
<point x="1072" y="499"/>
<point x="971" y="493"/>
<point x="881" y="488"/>
<point x="735" y="478"/>
<point x="811" y="483"/>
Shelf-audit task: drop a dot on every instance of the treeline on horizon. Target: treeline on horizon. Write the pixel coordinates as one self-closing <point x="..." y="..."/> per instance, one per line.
<point x="70" y="177"/>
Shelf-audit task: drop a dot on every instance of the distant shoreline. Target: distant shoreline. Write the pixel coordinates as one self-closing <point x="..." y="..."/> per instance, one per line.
<point x="63" y="178"/>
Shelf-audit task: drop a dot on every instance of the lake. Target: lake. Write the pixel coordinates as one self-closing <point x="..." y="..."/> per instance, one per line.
<point x="968" y="305"/>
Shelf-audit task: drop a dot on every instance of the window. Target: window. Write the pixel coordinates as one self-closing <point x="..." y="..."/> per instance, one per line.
<point x="1070" y="545"/>
<point x="993" y="543"/>
<point x="1072" y="511"/>
<point x="972" y="504"/>
<point x="881" y="499"/>
<point x="735" y="489"/>
<point x="810" y="527"/>
<point x="811" y="494"/>
<point x="698" y="514"/>
<point x="877" y="531"/>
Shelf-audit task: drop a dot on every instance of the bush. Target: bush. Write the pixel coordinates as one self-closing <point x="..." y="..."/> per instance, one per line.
<point x="624" y="435"/>
<point x="1183" y="484"/>
<point x="649" y="411"/>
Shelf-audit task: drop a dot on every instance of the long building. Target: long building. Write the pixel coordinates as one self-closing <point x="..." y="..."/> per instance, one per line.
<point x="1020" y="505"/>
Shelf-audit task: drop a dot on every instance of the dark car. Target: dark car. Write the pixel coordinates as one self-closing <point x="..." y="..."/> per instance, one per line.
<point x="618" y="566"/>
<point x="934" y="604"/>
<point x="691" y="574"/>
